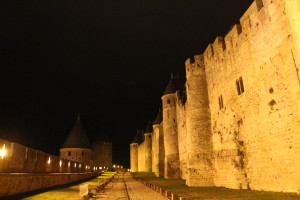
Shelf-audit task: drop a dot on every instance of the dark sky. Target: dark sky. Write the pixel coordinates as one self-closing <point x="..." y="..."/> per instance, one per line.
<point x="110" y="60"/>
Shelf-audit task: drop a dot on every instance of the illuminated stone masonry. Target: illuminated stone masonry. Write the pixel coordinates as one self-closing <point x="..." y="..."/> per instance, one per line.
<point x="235" y="122"/>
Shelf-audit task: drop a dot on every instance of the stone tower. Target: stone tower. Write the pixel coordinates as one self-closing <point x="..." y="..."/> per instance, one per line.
<point x="134" y="152"/>
<point x="199" y="136"/>
<point x="148" y="147"/>
<point x="158" y="152"/>
<point x="172" y="165"/>
<point x="77" y="146"/>
<point x="102" y="149"/>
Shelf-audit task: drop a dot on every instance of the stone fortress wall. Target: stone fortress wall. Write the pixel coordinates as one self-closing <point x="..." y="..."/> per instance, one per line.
<point x="25" y="169"/>
<point x="21" y="159"/>
<point x="239" y="126"/>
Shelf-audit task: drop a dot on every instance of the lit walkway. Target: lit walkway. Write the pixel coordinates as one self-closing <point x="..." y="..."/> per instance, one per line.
<point x="116" y="190"/>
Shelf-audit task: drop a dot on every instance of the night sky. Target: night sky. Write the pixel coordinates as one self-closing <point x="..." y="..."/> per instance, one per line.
<point x="110" y="60"/>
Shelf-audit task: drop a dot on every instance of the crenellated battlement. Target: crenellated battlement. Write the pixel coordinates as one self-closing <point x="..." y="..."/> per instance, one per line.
<point x="194" y="65"/>
<point x="254" y="19"/>
<point x="242" y="96"/>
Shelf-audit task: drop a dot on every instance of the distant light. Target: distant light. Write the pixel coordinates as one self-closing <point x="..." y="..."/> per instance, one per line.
<point x="49" y="161"/>
<point x="69" y="164"/>
<point x="100" y="167"/>
<point x="60" y="163"/>
<point x="86" y="167"/>
<point x="121" y="166"/>
<point x="114" y="166"/>
<point x="3" y="151"/>
<point x="79" y="165"/>
<point x="75" y="165"/>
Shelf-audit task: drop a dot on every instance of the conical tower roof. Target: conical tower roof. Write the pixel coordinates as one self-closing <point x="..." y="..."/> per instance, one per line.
<point x="138" y="137"/>
<point x="149" y="128"/>
<point x="77" y="137"/>
<point x="174" y="84"/>
<point x="159" y="118"/>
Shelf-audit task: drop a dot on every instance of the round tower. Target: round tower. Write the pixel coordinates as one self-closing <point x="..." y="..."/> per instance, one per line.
<point x="77" y="146"/>
<point x="134" y="152"/>
<point x="172" y="165"/>
<point x="102" y="149"/>
<point x="148" y="147"/>
<point x="199" y="135"/>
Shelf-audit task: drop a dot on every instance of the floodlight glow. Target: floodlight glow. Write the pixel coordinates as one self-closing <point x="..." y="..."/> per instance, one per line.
<point x="3" y="151"/>
<point x="75" y="165"/>
<point x="100" y="167"/>
<point x="69" y="164"/>
<point x="60" y="163"/>
<point x="49" y="160"/>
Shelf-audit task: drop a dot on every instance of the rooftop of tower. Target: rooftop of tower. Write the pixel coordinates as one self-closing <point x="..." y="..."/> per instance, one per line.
<point x="77" y="137"/>
<point x="174" y="84"/>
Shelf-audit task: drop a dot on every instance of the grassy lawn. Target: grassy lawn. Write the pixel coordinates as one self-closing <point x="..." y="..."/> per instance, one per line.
<point x="212" y="193"/>
<point x="70" y="192"/>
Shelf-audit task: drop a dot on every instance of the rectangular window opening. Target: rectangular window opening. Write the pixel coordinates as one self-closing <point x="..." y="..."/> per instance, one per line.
<point x="241" y="85"/>
<point x="238" y="87"/>
<point x="221" y="105"/>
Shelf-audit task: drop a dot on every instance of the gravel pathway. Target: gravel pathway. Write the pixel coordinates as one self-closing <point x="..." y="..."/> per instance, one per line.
<point x="125" y="187"/>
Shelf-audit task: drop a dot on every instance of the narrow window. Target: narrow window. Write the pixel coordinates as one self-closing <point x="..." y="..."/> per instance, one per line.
<point x="69" y="153"/>
<point x="221" y="105"/>
<point x="241" y="85"/>
<point x="238" y="87"/>
<point x="169" y="101"/>
<point x="82" y="153"/>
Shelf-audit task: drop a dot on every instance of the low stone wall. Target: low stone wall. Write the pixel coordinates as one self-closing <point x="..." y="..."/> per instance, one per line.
<point x="15" y="183"/>
<point x="21" y="159"/>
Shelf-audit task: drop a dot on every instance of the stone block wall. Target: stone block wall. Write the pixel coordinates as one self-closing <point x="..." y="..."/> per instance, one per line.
<point x="172" y="164"/>
<point x="256" y="130"/>
<point x="21" y="159"/>
<point x="182" y="136"/>
<point x="242" y="115"/>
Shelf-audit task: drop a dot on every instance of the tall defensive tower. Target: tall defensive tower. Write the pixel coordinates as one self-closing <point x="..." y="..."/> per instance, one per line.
<point x="172" y="165"/>
<point x="134" y="151"/>
<point x="77" y="146"/>
<point x="199" y="136"/>
<point x="102" y="149"/>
